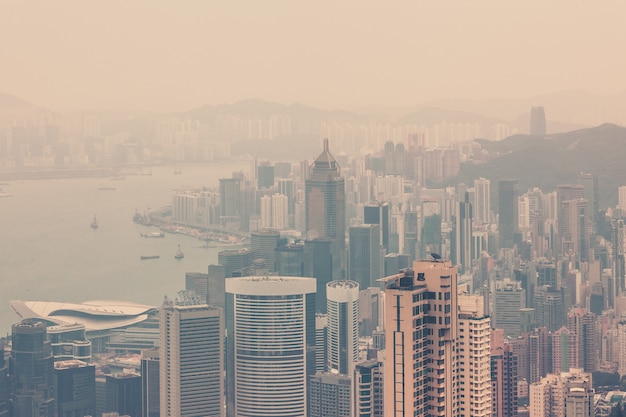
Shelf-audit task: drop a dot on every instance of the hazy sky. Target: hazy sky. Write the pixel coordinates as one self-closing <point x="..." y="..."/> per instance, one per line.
<point x="170" y="56"/>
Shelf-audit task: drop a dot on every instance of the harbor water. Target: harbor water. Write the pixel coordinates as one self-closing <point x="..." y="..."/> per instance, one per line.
<point x="50" y="252"/>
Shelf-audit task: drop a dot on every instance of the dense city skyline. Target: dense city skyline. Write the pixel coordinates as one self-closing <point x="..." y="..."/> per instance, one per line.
<point x="244" y="209"/>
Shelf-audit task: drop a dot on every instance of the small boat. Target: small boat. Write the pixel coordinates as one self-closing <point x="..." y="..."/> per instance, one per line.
<point x="153" y="234"/>
<point x="144" y="257"/>
<point x="179" y="253"/>
<point x="94" y="223"/>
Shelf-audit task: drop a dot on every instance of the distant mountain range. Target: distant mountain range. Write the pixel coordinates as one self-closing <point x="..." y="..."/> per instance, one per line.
<point x="556" y="159"/>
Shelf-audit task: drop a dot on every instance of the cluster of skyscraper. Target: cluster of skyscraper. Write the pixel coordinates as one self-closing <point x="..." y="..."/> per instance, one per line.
<point x="389" y="299"/>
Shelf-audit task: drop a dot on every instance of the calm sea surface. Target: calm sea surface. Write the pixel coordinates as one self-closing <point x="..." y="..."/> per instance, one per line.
<point x="48" y="251"/>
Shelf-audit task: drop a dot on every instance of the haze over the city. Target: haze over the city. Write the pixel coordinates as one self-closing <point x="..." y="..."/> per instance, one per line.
<point x="72" y="55"/>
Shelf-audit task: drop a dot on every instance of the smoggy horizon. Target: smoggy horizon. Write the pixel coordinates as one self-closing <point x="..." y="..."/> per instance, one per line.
<point x="70" y="55"/>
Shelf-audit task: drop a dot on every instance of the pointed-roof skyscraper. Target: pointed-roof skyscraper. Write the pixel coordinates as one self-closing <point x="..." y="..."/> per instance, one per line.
<point x="326" y="207"/>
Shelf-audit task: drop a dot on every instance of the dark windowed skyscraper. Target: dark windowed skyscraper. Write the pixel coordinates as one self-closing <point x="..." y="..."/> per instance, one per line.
<point x="325" y="202"/>
<point x="378" y="213"/>
<point x="537" y="121"/>
<point x="265" y="175"/>
<point x="462" y="236"/>
<point x="230" y="197"/>
<point x="4" y="384"/>
<point x="508" y="220"/>
<point x="32" y="371"/>
<point x="365" y="256"/>
<point x="75" y="388"/>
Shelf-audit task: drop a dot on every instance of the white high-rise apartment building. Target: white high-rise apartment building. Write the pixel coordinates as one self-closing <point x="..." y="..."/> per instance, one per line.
<point x="621" y="197"/>
<point x="191" y="364"/>
<point x="343" y="325"/>
<point x="274" y="212"/>
<point x="473" y="358"/>
<point x="280" y="212"/>
<point x="270" y="323"/>
<point x="265" y="213"/>
<point x="482" y="210"/>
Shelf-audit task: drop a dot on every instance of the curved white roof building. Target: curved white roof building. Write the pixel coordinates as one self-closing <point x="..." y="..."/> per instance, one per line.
<point x="95" y="315"/>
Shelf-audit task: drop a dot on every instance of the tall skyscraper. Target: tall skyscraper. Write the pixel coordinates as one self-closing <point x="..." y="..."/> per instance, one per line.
<point x="5" y="391"/>
<point x="462" y="237"/>
<point x="291" y="260"/>
<point x="617" y="283"/>
<point x="123" y="393"/>
<point x="509" y="298"/>
<point x="421" y="330"/>
<point x="75" y="387"/>
<point x="584" y="349"/>
<point x="343" y="325"/>
<point x="482" y="200"/>
<point x="365" y="256"/>
<point x="370" y="310"/>
<point x="325" y="203"/>
<point x="321" y="342"/>
<point x="191" y="363"/>
<point x="265" y="175"/>
<point x="508" y="219"/>
<point x="378" y="213"/>
<point x="504" y="376"/>
<point x="473" y="358"/>
<point x="270" y="323"/>
<point x="389" y="158"/>
<point x="549" y="307"/>
<point x="537" y="121"/>
<point x="32" y="371"/>
<point x="319" y="259"/>
<point x="230" y="197"/>
<point x="150" y="383"/>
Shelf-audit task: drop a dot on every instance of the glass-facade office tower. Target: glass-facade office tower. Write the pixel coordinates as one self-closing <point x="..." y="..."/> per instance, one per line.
<point x="75" y="383"/>
<point x="325" y="202"/>
<point x="32" y="371"/>
<point x="378" y="213"/>
<point x="365" y="255"/>
<point x="150" y="396"/>
<point x="270" y="323"/>
<point x="343" y="325"/>
<point x="462" y="237"/>
<point x="191" y="363"/>
<point x="123" y="394"/>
